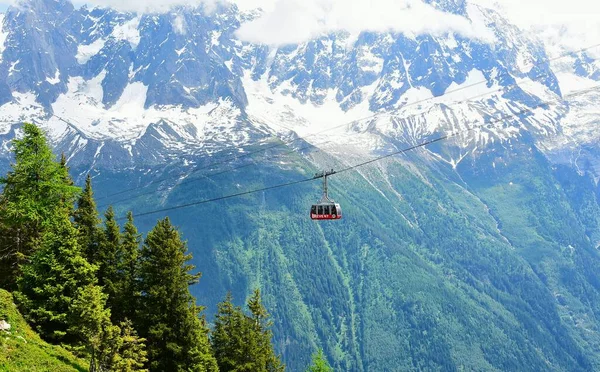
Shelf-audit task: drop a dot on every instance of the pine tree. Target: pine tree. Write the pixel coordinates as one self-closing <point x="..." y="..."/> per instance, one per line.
<point x="67" y="180"/>
<point x="177" y="339"/>
<point x="109" y="257"/>
<point x="90" y="322"/>
<point x="243" y="342"/>
<point x="50" y="282"/>
<point x="262" y="335"/>
<point x="86" y="221"/>
<point x="229" y="338"/>
<point x="132" y="351"/>
<point x="33" y="190"/>
<point x="109" y="347"/>
<point x="128" y="272"/>
<point x="319" y="363"/>
<point x="65" y="170"/>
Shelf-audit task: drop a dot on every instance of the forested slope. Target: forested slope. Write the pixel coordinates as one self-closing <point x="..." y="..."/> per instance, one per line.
<point x="485" y="267"/>
<point x="95" y="288"/>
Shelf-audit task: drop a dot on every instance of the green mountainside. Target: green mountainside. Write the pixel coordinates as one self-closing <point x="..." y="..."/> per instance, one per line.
<point x="488" y="265"/>
<point x="21" y="349"/>
<point x="491" y="265"/>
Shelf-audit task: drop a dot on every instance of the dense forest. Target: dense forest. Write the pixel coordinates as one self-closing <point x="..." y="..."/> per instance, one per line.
<point x="108" y="296"/>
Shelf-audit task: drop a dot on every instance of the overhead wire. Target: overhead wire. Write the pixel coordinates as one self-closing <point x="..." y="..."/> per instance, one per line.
<point x="375" y="115"/>
<point x="209" y="176"/>
<point x="287" y="143"/>
<point x="309" y="146"/>
<point x="399" y="152"/>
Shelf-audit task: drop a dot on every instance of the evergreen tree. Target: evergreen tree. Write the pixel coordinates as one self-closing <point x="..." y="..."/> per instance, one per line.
<point x="229" y="338"/>
<point x="319" y="363"/>
<point x="262" y="335"/>
<point x="90" y="322"/>
<point x="243" y="342"/>
<point x="67" y="180"/>
<point x="50" y="282"/>
<point x="177" y="339"/>
<point x="132" y="351"/>
<point x="86" y="221"/>
<point x="109" y="347"/>
<point x="33" y="190"/>
<point x="128" y="272"/>
<point x="65" y="170"/>
<point x="109" y="257"/>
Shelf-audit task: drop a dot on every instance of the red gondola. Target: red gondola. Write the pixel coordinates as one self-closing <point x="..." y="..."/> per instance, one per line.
<point x="326" y="209"/>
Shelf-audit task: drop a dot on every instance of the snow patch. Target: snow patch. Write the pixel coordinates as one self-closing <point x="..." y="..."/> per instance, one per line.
<point x="450" y="41"/>
<point x="54" y="80"/>
<point x="570" y="82"/>
<point x="132" y="100"/>
<point x="129" y="119"/>
<point x="23" y="107"/>
<point x="179" y="24"/>
<point x="273" y="108"/>
<point x="476" y="85"/>
<point x="85" y="52"/>
<point x="537" y="89"/>
<point x="3" y="36"/>
<point x="13" y="67"/>
<point x="370" y="62"/>
<point x="128" y="31"/>
<point x="414" y="96"/>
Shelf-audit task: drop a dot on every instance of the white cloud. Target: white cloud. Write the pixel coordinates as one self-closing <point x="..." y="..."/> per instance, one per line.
<point x="562" y="25"/>
<point x="294" y="21"/>
<point x="572" y="24"/>
<point x="147" y="6"/>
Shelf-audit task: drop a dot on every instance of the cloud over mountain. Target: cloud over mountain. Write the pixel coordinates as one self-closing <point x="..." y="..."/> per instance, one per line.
<point x="294" y="21"/>
<point x="570" y="25"/>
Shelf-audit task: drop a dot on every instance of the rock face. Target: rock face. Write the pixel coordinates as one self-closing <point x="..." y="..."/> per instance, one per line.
<point x="103" y="81"/>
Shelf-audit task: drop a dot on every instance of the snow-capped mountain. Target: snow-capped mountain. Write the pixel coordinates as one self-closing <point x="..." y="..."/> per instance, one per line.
<point x="129" y="88"/>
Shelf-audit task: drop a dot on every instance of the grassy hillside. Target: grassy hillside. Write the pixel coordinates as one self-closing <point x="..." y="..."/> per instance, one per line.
<point x="21" y="349"/>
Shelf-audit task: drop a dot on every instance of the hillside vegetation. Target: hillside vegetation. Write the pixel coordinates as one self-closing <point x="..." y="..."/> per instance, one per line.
<point x="431" y="268"/>
<point x="112" y="298"/>
<point x="21" y="349"/>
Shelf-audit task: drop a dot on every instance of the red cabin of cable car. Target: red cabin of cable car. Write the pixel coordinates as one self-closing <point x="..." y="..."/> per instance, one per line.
<point x="326" y="211"/>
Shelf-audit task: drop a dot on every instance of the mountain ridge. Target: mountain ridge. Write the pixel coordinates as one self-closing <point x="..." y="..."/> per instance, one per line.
<point x="138" y="70"/>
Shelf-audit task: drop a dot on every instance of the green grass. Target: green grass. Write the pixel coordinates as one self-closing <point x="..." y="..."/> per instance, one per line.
<point x="21" y="349"/>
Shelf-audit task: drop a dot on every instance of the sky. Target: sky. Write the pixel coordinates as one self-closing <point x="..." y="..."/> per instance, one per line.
<point x="570" y="23"/>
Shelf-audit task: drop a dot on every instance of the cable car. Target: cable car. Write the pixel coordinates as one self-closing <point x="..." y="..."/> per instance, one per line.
<point x="325" y="209"/>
